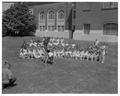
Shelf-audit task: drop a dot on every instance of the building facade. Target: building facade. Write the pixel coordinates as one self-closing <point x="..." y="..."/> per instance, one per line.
<point x="77" y="20"/>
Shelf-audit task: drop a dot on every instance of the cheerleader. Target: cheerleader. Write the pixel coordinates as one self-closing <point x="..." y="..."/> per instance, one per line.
<point x="56" y="43"/>
<point x="73" y="54"/>
<point x="77" y="54"/>
<point x="103" y="53"/>
<point x="50" y="57"/>
<point x="81" y="53"/>
<point x="23" y="53"/>
<point x="36" y="53"/>
<point x="86" y="55"/>
<point x="30" y="53"/>
<point x="96" y="42"/>
<point x="45" y="43"/>
<point x="55" y="54"/>
<point x="62" y="40"/>
<point x="73" y="45"/>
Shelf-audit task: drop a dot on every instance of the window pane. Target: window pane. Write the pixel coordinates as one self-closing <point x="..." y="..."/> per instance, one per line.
<point x="106" y="5"/>
<point x="116" y="4"/>
<point x="113" y="4"/>
<point x="62" y="28"/>
<point x="58" y="28"/>
<point x="41" y="15"/>
<point x="51" y="15"/>
<point x="43" y="28"/>
<point x="61" y="14"/>
<point x="86" y="28"/>
<point x="86" y="6"/>
<point x="40" y="28"/>
<point x="110" y="29"/>
<point x="52" y="28"/>
<point x="49" y="28"/>
<point x="110" y="5"/>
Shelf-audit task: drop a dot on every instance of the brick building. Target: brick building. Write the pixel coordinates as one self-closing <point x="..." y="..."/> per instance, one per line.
<point x="77" y="20"/>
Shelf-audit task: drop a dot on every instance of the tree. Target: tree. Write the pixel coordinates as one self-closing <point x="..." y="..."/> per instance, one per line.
<point x="18" y="21"/>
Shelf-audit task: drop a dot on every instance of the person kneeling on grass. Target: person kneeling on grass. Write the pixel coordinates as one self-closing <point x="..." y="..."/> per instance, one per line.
<point x="8" y="79"/>
<point x="49" y="57"/>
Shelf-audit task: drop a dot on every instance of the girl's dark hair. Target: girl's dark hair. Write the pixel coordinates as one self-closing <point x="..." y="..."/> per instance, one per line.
<point x="48" y="51"/>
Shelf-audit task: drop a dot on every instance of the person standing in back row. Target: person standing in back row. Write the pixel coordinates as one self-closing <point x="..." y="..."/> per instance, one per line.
<point x="103" y="53"/>
<point x="96" y="42"/>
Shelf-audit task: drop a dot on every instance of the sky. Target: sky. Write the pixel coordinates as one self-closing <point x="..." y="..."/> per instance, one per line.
<point x="5" y="6"/>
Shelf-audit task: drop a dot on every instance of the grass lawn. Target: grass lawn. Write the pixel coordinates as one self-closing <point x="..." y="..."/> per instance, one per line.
<point x="65" y="75"/>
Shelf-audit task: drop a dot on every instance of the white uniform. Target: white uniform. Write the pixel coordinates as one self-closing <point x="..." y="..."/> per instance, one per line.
<point x="50" y="54"/>
<point x="96" y="43"/>
<point x="103" y="54"/>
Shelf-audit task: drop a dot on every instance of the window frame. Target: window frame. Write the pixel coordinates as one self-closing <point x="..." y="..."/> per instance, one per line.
<point x="109" y="28"/>
<point x="42" y="15"/>
<point x="61" y="14"/>
<point x="86" y="31"/>
<point x="109" y="5"/>
<point x="51" y="16"/>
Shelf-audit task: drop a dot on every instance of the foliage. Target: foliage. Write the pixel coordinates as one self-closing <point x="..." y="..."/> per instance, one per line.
<point x="18" y="21"/>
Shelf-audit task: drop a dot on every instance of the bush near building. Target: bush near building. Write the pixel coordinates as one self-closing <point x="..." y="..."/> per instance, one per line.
<point x="18" y="21"/>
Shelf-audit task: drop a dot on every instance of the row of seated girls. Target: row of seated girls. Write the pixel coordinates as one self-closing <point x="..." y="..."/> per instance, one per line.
<point x="59" y="49"/>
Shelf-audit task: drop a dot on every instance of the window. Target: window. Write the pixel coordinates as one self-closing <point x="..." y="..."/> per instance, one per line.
<point x="62" y="28"/>
<point x="51" y="15"/>
<point x="58" y="28"/>
<point x="43" y="28"/>
<point x="42" y="16"/>
<point x="52" y="28"/>
<point x="110" y="29"/>
<point x="86" y="28"/>
<point x="107" y="5"/>
<point x="40" y="28"/>
<point x="86" y="7"/>
<point x="61" y="14"/>
<point x="48" y="28"/>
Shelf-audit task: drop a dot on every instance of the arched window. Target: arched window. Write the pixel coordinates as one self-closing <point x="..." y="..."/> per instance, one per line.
<point x="61" y="14"/>
<point x="110" y="29"/>
<point x="42" y="16"/>
<point x="51" y="15"/>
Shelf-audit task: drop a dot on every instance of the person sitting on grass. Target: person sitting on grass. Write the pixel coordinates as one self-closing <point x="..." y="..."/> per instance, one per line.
<point x="8" y="79"/>
<point x="23" y="53"/>
<point x="50" y="57"/>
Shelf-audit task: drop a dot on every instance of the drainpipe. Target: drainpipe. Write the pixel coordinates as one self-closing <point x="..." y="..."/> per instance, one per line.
<point x="72" y="21"/>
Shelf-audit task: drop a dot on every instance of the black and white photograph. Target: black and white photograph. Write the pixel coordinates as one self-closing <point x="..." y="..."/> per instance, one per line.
<point x="59" y="47"/>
